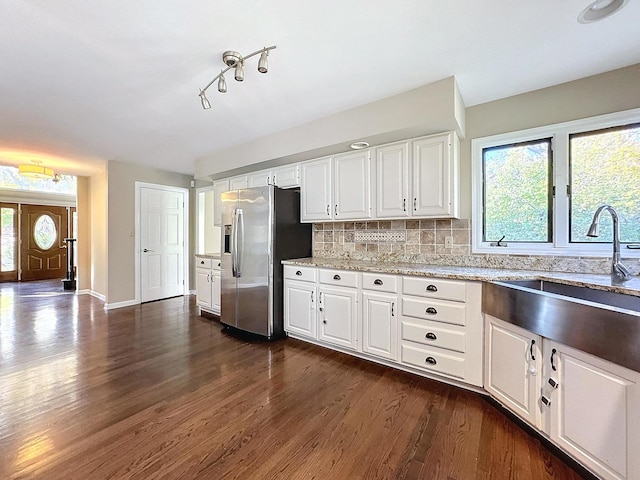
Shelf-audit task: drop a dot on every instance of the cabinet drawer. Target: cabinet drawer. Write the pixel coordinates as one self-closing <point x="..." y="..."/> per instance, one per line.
<point x="437" y="310"/>
<point x="433" y="359"/>
<point x="434" y="288"/>
<point x="202" y="262"/>
<point x="305" y="274"/>
<point x="435" y="334"/>
<point x="215" y="264"/>
<point x="380" y="283"/>
<point x="339" y="277"/>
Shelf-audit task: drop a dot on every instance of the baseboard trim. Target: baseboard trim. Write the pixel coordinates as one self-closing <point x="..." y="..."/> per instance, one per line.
<point x="126" y="303"/>
<point x="97" y="295"/>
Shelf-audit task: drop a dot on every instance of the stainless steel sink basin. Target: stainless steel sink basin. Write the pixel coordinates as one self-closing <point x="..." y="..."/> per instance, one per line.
<point x="601" y="297"/>
<point x="605" y="324"/>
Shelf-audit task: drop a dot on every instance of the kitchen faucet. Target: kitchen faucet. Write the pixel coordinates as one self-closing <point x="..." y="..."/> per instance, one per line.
<point x="619" y="272"/>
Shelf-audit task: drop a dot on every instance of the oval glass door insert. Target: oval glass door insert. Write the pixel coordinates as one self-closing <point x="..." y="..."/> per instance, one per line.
<point x="44" y="232"/>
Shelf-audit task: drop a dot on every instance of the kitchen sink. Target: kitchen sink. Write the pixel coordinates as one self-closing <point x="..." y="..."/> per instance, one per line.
<point x="602" y="297"/>
<point x="605" y="324"/>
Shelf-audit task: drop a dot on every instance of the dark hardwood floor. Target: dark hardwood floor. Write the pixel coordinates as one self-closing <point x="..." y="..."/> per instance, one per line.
<point x="156" y="392"/>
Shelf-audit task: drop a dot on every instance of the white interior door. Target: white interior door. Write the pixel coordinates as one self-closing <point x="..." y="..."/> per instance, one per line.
<point x="161" y="243"/>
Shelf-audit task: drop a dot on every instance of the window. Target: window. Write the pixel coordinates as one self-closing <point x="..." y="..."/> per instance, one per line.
<point x="536" y="191"/>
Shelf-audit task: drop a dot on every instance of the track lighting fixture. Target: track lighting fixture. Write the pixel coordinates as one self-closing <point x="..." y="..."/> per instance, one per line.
<point x="233" y="59"/>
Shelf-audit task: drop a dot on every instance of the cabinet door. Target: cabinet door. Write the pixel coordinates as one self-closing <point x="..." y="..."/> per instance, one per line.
<point x="239" y="182"/>
<point x="315" y="191"/>
<point x="392" y="181"/>
<point x="593" y="412"/>
<point x="513" y="363"/>
<point x="215" y="291"/>
<point x="352" y="186"/>
<point x="259" y="179"/>
<point x="435" y="176"/>
<point x="287" y="176"/>
<point x="380" y="324"/>
<point x="219" y="187"/>
<point x="203" y="287"/>
<point x="337" y="316"/>
<point x="299" y="308"/>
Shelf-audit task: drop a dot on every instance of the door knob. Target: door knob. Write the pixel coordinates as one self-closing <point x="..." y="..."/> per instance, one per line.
<point x="147" y="250"/>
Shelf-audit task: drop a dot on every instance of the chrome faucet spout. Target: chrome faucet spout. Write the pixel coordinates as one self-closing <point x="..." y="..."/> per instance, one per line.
<point x="619" y="273"/>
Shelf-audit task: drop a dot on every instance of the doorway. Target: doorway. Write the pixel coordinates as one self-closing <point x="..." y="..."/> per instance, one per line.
<point x="162" y="247"/>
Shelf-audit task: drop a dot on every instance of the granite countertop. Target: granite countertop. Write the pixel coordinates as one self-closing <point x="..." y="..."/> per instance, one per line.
<point x="600" y="282"/>
<point x="215" y="256"/>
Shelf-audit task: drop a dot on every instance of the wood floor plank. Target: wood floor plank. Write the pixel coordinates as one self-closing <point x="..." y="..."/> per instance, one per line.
<point x="156" y="392"/>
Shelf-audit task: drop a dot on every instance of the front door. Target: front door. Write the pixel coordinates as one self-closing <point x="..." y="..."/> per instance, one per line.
<point x="43" y="250"/>
<point x="161" y="243"/>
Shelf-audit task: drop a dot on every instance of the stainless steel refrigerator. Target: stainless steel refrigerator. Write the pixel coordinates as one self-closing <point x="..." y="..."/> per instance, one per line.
<point x="260" y="227"/>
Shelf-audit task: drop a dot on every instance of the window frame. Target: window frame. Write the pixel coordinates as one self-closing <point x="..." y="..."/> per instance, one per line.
<point x="559" y="134"/>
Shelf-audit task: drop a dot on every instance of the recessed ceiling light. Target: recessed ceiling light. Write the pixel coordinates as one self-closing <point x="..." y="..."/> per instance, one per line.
<point x="600" y="9"/>
<point x="359" y="145"/>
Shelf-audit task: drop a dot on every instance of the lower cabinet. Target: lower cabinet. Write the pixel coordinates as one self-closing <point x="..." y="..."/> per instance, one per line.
<point x="337" y="315"/>
<point x="208" y="285"/>
<point x="299" y="308"/>
<point x="587" y="406"/>
<point x="380" y="324"/>
<point x="430" y="326"/>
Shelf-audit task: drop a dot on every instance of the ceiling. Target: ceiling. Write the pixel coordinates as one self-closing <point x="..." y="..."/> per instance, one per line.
<point x="85" y="82"/>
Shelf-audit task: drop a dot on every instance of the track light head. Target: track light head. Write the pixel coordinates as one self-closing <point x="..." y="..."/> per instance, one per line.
<point x="204" y="100"/>
<point x="263" y="63"/>
<point x="239" y="75"/>
<point x="222" y="84"/>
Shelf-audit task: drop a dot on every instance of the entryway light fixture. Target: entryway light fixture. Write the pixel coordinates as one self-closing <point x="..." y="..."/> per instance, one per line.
<point x="233" y="59"/>
<point x="600" y="9"/>
<point x="35" y="170"/>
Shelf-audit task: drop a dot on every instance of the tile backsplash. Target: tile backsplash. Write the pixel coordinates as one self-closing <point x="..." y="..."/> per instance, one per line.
<point x="423" y="241"/>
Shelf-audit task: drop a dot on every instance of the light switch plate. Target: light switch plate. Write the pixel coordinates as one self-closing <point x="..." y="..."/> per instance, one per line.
<point x="448" y="242"/>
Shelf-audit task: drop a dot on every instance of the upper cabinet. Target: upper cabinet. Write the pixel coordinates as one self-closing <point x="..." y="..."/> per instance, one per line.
<point x="283" y="177"/>
<point x="219" y="186"/>
<point x="418" y="178"/>
<point x="336" y="188"/>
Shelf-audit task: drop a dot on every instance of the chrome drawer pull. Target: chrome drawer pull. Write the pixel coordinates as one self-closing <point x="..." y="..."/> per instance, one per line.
<point x="431" y="336"/>
<point x="430" y="360"/>
<point x="298" y="273"/>
<point x="337" y="277"/>
<point x="431" y="311"/>
<point x="377" y="281"/>
<point x="432" y="288"/>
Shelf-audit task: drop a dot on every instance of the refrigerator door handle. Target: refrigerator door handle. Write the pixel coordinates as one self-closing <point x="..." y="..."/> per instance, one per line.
<point x="239" y="241"/>
<point x="234" y="241"/>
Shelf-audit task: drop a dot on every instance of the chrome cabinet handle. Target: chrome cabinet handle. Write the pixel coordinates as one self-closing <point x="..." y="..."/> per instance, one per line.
<point x="337" y="277"/>
<point x="298" y="273"/>
<point x="432" y="288"/>
<point x="336" y="210"/>
<point x="392" y="308"/>
<point x="404" y="204"/>
<point x="273" y="180"/>
<point x="377" y="281"/>
<point x="553" y="367"/>
<point x="431" y="360"/>
<point x="201" y="262"/>
<point x="415" y="201"/>
<point x="431" y="336"/>
<point x="431" y="311"/>
<point x="328" y="213"/>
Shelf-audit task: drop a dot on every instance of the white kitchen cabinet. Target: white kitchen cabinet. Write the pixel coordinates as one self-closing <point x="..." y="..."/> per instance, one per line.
<point x="591" y="409"/>
<point x="239" y="182"/>
<point x="380" y="324"/>
<point x="208" y="285"/>
<point x="338" y="316"/>
<point x="392" y="181"/>
<point x="435" y="165"/>
<point x="352" y="186"/>
<point x="336" y="188"/>
<point x="513" y="362"/>
<point x="299" y="308"/>
<point x="219" y="187"/>
<point x="316" y="195"/>
<point x="287" y="176"/>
